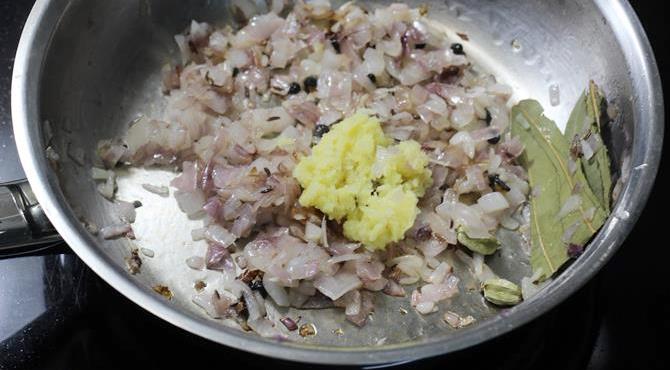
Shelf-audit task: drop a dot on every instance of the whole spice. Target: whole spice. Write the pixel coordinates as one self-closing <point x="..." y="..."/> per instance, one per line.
<point x="294" y="88"/>
<point x="501" y="292"/>
<point x="321" y="130"/>
<point x="495" y="182"/>
<point x="494" y="140"/>
<point x="488" y="117"/>
<point x="545" y="157"/>
<point x="481" y="246"/>
<point x="457" y="49"/>
<point x="335" y="42"/>
<point x="585" y="121"/>
<point x="310" y="84"/>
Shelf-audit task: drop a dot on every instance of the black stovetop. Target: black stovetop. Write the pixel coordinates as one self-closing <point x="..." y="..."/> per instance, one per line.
<point x="56" y="314"/>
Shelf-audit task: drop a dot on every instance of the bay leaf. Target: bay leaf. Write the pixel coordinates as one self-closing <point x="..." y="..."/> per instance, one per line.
<point x="545" y="158"/>
<point x="586" y="120"/>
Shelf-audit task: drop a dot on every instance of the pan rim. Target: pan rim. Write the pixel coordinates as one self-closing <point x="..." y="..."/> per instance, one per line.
<point x="45" y="17"/>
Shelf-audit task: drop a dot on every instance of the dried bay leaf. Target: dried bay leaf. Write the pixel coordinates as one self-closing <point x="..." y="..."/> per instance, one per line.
<point x="586" y="120"/>
<point x="545" y="158"/>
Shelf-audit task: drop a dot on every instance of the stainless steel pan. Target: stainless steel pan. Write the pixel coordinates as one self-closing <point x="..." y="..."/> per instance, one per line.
<point x="89" y="67"/>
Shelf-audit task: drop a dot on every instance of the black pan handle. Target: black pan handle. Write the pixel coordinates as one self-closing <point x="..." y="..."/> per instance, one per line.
<point x="23" y="224"/>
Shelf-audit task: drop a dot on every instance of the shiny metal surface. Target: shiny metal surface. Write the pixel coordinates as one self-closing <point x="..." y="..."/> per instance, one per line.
<point x="11" y="23"/>
<point x="22" y="220"/>
<point x="90" y="67"/>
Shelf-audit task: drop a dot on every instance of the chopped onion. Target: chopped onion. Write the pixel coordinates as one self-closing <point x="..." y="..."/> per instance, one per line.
<point x="196" y="262"/>
<point x="113" y="231"/>
<point x="572" y="165"/>
<point x="204" y="300"/>
<point x="101" y="174"/>
<point x="190" y="203"/>
<point x="163" y="191"/>
<point x="347" y="257"/>
<point x="218" y="258"/>
<point x="570" y="205"/>
<point x="432" y="247"/>
<point x="492" y="202"/>
<point x="198" y="234"/>
<point x="570" y="231"/>
<point x="264" y="327"/>
<point x="464" y="140"/>
<point x="394" y="289"/>
<point x="440" y="273"/>
<point x="276" y="291"/>
<point x="324" y="233"/>
<point x="219" y="235"/>
<point x="411" y="265"/>
<point x="312" y="232"/>
<point x="253" y="307"/>
<point x="108" y="188"/>
<point x="125" y="211"/>
<point x="587" y="150"/>
<point x="337" y="285"/>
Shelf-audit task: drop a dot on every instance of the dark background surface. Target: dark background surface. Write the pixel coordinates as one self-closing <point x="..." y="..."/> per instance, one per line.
<point x="616" y="322"/>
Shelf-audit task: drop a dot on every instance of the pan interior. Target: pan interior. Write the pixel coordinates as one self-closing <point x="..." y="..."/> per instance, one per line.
<point x="102" y="70"/>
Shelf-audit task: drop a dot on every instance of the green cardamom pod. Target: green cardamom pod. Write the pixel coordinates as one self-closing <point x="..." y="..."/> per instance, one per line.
<point x="482" y="246"/>
<point x="501" y="292"/>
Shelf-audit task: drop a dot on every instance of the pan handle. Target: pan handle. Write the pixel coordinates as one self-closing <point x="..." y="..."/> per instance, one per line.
<point x="23" y="224"/>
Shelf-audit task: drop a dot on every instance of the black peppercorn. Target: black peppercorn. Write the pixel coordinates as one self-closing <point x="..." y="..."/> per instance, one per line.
<point x="450" y="75"/>
<point x="236" y="71"/>
<point x="310" y="84"/>
<point x="457" y="49"/>
<point x="294" y="88"/>
<point x="494" y="180"/>
<point x="321" y="130"/>
<point x="372" y="78"/>
<point x="494" y="140"/>
<point x="488" y="118"/>
<point x="335" y="42"/>
<point x="257" y="285"/>
<point x="419" y="46"/>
